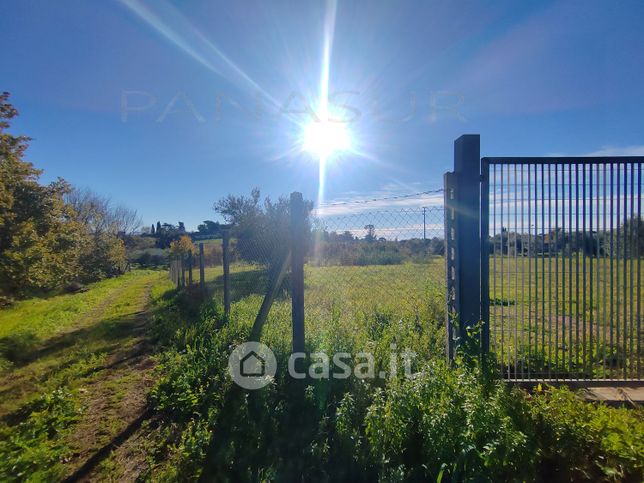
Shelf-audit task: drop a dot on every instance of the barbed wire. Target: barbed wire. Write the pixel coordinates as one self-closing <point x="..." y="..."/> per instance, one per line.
<point x="387" y="198"/>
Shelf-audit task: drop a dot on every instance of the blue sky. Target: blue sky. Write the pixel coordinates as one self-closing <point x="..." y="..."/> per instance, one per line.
<point x="168" y="106"/>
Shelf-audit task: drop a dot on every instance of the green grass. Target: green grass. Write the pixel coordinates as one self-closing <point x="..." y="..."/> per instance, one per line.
<point x="34" y="328"/>
<point x="536" y="325"/>
<point x="451" y="423"/>
<point x="457" y="423"/>
<point x="44" y="317"/>
<point x="551" y="328"/>
<point x="209" y="241"/>
<point x="58" y="372"/>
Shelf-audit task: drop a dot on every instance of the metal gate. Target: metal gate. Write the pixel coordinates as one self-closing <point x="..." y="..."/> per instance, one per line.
<point x="562" y="241"/>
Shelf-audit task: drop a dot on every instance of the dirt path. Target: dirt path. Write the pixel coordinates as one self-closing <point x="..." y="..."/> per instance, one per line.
<point x="66" y="349"/>
<point x="114" y="398"/>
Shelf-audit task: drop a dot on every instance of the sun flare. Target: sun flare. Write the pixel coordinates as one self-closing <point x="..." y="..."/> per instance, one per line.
<point x="323" y="138"/>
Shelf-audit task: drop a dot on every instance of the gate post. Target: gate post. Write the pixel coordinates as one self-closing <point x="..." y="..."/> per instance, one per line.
<point x="466" y="232"/>
<point x="451" y="263"/>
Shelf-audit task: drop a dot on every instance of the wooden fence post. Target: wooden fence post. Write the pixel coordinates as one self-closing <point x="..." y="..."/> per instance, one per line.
<point x="298" y="242"/>
<point x="202" y="281"/>
<point x="183" y="271"/>
<point x="226" y="263"/>
<point x="190" y="268"/>
<point x="467" y="224"/>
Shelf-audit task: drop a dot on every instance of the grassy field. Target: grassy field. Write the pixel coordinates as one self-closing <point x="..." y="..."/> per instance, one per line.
<point x="537" y="326"/>
<point x="458" y="423"/>
<point x="559" y="319"/>
<point x="129" y="381"/>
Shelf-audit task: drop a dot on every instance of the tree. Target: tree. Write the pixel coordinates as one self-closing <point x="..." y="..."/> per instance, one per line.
<point x="126" y="220"/>
<point x="166" y="233"/>
<point x="209" y="227"/>
<point x="182" y="246"/>
<point x="371" y="232"/>
<point x="261" y="230"/>
<point x="103" y="253"/>
<point x="39" y="238"/>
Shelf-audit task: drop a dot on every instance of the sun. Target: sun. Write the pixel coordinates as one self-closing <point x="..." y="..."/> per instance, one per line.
<point x="324" y="138"/>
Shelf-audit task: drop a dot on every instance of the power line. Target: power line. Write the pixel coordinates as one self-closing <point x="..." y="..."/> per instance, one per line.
<point x="387" y="198"/>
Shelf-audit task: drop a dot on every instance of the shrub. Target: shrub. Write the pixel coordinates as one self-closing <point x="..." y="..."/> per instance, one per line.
<point x="580" y="440"/>
<point x="34" y="449"/>
<point x="150" y="258"/>
<point x="445" y="422"/>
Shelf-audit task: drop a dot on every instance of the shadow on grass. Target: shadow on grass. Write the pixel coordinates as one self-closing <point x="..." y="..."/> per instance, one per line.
<point x="66" y="351"/>
<point x="245" y="283"/>
<point x="23" y="348"/>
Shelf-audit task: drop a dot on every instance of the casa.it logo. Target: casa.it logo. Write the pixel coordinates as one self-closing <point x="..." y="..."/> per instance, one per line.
<point x="252" y="365"/>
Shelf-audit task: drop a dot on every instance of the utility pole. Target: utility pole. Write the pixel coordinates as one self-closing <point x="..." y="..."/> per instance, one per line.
<point x="424" y="225"/>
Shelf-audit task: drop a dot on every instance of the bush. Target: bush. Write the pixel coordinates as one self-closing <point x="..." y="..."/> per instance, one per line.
<point x="213" y="255"/>
<point x="33" y="450"/>
<point x="150" y="258"/>
<point x="444" y="423"/>
<point x="580" y="440"/>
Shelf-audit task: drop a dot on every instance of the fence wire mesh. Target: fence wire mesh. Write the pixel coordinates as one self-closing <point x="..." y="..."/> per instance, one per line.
<point x="252" y="258"/>
<point x="566" y="244"/>
<point x="384" y="264"/>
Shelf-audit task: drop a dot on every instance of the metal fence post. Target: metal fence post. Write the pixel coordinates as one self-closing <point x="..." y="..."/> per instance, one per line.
<point x="226" y="263"/>
<point x="467" y="159"/>
<point x="202" y="281"/>
<point x="297" y="269"/>
<point x="485" y="256"/>
<point x="452" y="260"/>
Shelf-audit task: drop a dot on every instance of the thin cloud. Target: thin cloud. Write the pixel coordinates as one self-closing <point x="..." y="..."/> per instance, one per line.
<point x="381" y="200"/>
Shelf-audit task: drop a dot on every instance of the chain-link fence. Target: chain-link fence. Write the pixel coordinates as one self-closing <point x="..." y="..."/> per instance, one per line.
<point x="360" y="265"/>
<point x="236" y="266"/>
<point x="376" y="263"/>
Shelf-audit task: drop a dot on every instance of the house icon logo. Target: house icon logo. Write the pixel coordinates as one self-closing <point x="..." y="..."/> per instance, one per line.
<point x="252" y="365"/>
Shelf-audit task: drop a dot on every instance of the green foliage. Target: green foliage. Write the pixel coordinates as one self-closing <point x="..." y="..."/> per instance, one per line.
<point x="149" y="257"/>
<point x="37" y="233"/>
<point x="262" y="230"/>
<point x="33" y="450"/>
<point x="344" y="249"/>
<point x="46" y="239"/>
<point x="444" y="423"/>
<point x="578" y="440"/>
<point x="448" y="422"/>
<point x="105" y="257"/>
<point x="167" y="233"/>
<point x="209" y="228"/>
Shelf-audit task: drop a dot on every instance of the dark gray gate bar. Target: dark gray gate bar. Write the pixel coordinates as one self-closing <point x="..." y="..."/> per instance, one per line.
<point x="561" y="251"/>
